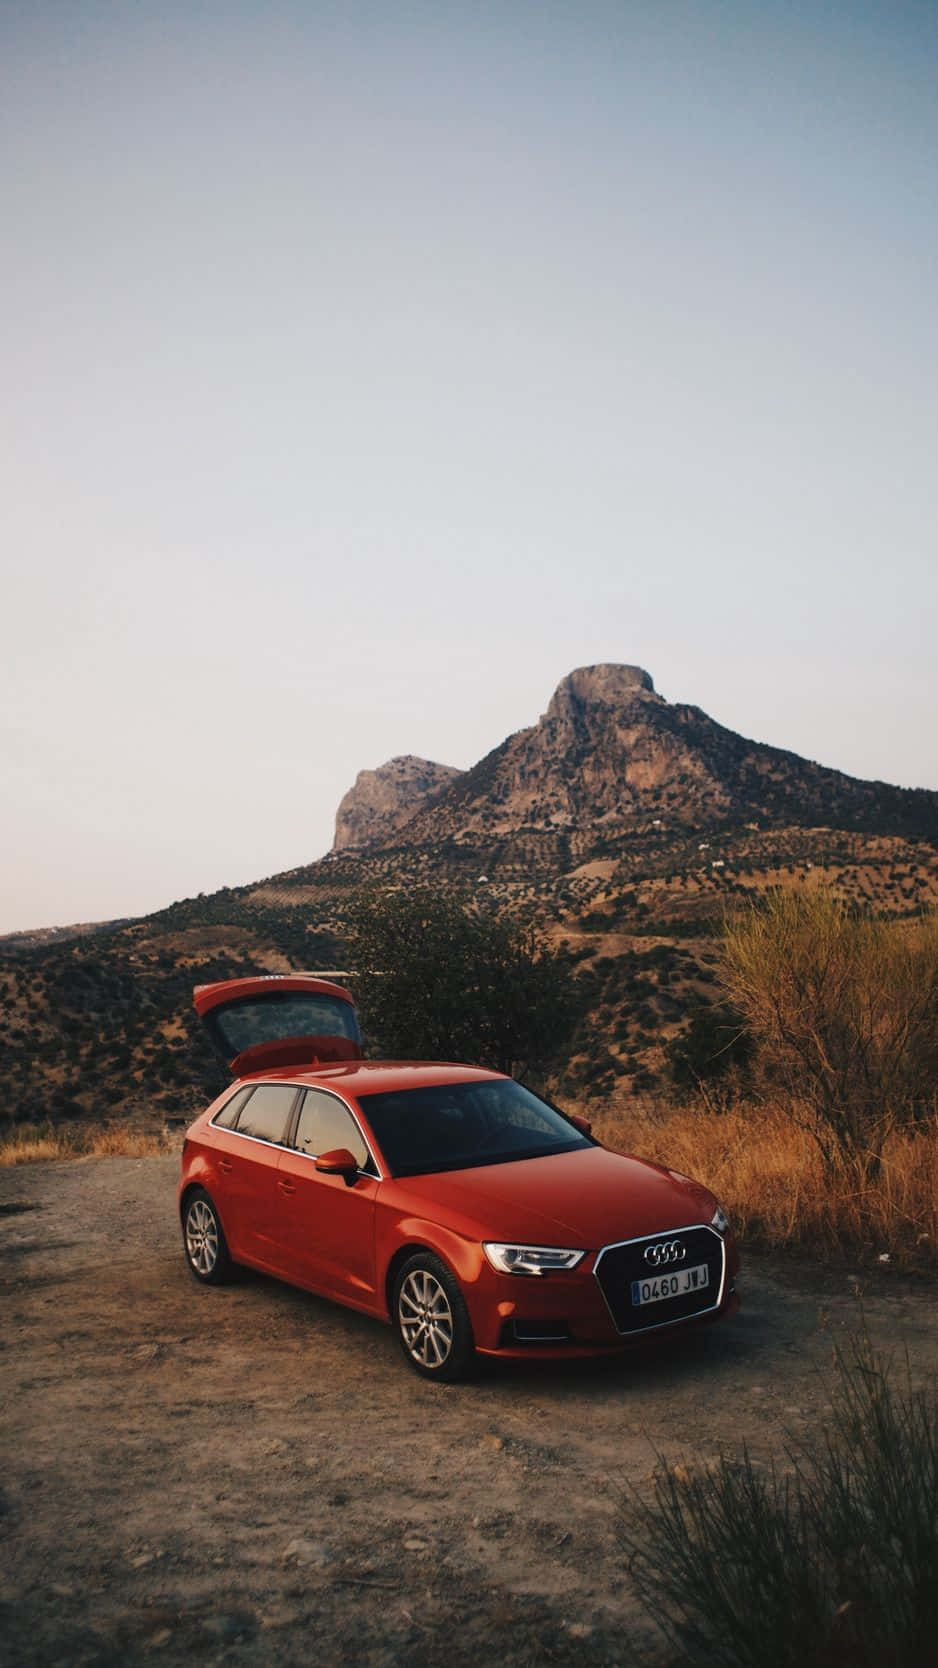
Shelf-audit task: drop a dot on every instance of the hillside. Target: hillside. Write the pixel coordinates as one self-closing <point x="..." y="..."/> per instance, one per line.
<point x="623" y="824"/>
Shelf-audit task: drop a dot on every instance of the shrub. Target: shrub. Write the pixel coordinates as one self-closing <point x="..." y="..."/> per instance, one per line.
<point x="834" y="1565"/>
<point x="844" y="1008"/>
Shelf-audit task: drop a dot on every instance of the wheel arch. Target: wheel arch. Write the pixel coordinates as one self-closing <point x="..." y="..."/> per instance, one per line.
<point x="460" y="1254"/>
<point x="400" y="1257"/>
<point x="186" y="1194"/>
<point x="197" y="1184"/>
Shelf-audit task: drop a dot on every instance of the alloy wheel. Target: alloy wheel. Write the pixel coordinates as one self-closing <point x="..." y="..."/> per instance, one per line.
<point x="426" y="1319"/>
<point x="201" y="1237"/>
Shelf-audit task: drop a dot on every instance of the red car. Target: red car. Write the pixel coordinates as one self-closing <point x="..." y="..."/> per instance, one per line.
<point x="450" y="1200"/>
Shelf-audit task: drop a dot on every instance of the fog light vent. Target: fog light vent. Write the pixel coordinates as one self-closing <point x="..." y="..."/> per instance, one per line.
<point x="541" y="1332"/>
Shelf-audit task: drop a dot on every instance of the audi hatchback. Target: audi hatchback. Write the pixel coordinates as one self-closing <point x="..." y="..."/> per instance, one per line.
<point x="450" y="1201"/>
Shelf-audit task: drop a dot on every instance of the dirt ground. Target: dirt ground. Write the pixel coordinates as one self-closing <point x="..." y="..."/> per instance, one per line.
<point x="249" y="1475"/>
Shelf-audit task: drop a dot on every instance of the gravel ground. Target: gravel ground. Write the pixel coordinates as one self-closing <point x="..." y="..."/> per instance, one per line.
<point x="249" y="1475"/>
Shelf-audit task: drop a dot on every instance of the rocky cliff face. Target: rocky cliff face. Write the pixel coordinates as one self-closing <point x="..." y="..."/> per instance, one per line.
<point x="608" y="750"/>
<point x="383" y="800"/>
<point x="610" y="753"/>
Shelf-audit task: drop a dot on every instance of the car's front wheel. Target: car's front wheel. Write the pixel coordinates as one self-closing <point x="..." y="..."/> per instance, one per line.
<point x="204" y="1239"/>
<point x="432" y="1319"/>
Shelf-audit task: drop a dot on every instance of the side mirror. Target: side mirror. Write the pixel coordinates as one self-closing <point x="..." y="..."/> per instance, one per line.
<point x="339" y="1162"/>
<point x="582" y="1124"/>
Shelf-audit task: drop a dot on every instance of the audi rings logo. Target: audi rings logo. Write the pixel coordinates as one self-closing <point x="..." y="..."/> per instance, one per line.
<point x="666" y="1251"/>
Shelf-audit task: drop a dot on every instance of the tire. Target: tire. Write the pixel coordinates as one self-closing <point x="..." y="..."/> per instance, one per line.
<point x="204" y="1240"/>
<point x="432" y="1320"/>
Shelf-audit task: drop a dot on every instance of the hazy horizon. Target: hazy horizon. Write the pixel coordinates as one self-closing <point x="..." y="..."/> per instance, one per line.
<point x="368" y="369"/>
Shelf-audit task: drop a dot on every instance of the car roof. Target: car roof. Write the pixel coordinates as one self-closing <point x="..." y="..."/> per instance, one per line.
<point x="374" y="1077"/>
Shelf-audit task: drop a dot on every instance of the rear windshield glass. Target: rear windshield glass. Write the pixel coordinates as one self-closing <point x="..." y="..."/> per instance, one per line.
<point x="271" y="1018"/>
<point x="456" y="1126"/>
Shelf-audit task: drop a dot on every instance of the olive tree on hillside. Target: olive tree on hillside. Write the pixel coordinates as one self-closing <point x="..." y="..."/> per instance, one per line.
<point x="441" y="976"/>
<point x="844" y="1010"/>
<point x="714" y="1049"/>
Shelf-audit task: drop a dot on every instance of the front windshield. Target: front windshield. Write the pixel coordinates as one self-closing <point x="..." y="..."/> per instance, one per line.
<point x="456" y="1126"/>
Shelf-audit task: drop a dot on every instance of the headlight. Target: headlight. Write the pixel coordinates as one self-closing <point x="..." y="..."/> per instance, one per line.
<point x="720" y="1221"/>
<point x="530" y="1259"/>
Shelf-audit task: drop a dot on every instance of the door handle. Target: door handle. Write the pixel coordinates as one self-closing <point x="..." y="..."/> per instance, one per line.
<point x="286" y="1186"/>
<point x="226" y="1165"/>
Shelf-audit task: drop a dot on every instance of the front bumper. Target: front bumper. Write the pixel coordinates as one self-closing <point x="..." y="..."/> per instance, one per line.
<point x="568" y="1314"/>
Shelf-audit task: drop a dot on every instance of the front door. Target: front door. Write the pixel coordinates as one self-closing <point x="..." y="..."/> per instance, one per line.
<point x="327" y="1227"/>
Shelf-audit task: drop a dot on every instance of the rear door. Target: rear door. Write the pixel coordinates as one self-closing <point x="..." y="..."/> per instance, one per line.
<point x="247" y="1159"/>
<point x="328" y="1226"/>
<point x="226" y="1178"/>
<point x="276" y="1020"/>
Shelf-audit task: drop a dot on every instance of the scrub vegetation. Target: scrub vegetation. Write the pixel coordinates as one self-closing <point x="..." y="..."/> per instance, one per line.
<point x="32" y="1143"/>
<point x="821" y="1133"/>
<point x="827" y="1561"/>
<point x="770" y="1177"/>
<point x="843" y="1009"/>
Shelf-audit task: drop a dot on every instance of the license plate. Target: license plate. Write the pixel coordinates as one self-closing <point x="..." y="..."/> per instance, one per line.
<point x="659" y="1286"/>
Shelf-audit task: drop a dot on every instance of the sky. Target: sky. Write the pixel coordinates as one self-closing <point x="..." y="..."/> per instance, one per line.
<point x="368" y="367"/>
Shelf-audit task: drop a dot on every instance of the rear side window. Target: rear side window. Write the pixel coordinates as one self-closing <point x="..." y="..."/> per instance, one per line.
<point x="325" y="1124"/>
<point x="266" y="1114"/>
<point x="228" y="1116"/>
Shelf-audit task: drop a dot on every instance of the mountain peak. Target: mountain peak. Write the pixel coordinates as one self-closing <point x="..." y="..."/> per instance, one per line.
<point x="607" y="684"/>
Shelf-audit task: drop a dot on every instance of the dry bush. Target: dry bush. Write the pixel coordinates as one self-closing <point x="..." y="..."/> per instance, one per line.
<point x="844" y="1010"/>
<point x="828" y="1562"/>
<point x="768" y="1173"/>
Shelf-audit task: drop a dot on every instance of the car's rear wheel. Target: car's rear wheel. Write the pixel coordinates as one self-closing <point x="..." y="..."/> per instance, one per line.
<point x="204" y="1239"/>
<point x="432" y="1319"/>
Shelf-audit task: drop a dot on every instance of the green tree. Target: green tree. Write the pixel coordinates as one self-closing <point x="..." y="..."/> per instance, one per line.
<point x="441" y="976"/>
<point x="715" y="1040"/>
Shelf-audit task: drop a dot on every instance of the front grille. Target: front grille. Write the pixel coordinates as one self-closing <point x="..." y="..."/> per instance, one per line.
<point x="618" y="1265"/>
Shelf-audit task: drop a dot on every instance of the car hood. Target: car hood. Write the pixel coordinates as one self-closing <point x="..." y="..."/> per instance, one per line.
<point x="585" y="1199"/>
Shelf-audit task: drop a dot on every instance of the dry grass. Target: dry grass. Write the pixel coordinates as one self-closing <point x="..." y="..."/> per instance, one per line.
<point x="769" y="1175"/>
<point x="30" y="1144"/>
